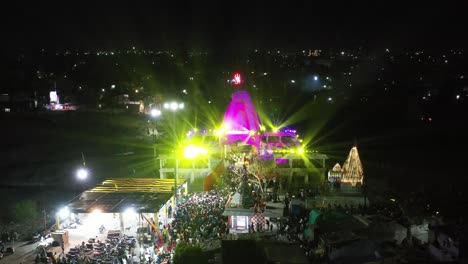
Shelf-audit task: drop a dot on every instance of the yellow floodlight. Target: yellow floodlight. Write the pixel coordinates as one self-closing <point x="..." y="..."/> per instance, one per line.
<point x="191" y="151"/>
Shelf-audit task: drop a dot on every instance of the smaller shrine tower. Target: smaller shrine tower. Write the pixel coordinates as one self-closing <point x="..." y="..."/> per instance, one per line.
<point x="352" y="169"/>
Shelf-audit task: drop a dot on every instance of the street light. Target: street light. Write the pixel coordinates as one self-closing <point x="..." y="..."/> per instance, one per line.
<point x="62" y="214"/>
<point x="82" y="174"/>
<point x="174" y="107"/>
<point x="155" y="112"/>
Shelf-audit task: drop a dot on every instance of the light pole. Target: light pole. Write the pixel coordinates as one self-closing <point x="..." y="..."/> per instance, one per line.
<point x="155" y="113"/>
<point x="82" y="173"/>
<point x="174" y="107"/>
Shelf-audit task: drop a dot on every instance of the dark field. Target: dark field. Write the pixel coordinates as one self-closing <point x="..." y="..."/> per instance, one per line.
<point x="41" y="153"/>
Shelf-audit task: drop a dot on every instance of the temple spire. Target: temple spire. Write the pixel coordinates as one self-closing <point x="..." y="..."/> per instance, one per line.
<point x="352" y="168"/>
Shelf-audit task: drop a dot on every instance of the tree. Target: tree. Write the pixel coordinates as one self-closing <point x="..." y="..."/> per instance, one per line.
<point x="246" y="194"/>
<point x="25" y="217"/>
<point x="25" y="211"/>
<point x="185" y="253"/>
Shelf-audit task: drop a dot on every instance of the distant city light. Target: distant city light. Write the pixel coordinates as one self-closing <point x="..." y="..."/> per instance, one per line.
<point x="315" y="78"/>
<point x="342" y="53"/>
<point x="329" y="99"/>
<point x="136" y="91"/>
<point x="265" y="73"/>
<point x="209" y="102"/>
<point x="184" y="91"/>
<point x="458" y="96"/>
<point x="103" y="89"/>
<point x="113" y="86"/>
<point x="293" y="81"/>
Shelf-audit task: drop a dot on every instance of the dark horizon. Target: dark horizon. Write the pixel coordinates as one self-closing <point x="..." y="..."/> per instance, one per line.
<point x="234" y="26"/>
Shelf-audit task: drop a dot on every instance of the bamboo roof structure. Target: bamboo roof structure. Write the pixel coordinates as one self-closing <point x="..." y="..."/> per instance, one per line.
<point x="115" y="195"/>
<point x="140" y="185"/>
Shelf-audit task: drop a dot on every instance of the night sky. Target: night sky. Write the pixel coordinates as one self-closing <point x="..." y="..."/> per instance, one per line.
<point x="234" y="25"/>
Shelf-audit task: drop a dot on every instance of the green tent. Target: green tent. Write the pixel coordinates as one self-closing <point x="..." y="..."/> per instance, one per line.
<point x="314" y="214"/>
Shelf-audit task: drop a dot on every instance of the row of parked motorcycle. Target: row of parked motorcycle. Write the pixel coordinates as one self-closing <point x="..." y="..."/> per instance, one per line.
<point x="115" y="247"/>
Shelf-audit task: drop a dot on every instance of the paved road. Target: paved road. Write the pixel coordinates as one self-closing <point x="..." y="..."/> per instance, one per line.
<point x="24" y="253"/>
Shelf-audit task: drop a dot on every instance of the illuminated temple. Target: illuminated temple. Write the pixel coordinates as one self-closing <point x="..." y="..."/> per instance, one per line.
<point x="351" y="173"/>
<point x="241" y="119"/>
<point x="352" y="168"/>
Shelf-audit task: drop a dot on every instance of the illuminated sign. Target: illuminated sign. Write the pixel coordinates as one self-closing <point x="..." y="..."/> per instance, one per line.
<point x="237" y="79"/>
<point x="53" y="97"/>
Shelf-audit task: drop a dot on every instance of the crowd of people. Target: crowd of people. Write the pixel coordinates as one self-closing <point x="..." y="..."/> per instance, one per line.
<point x="199" y="217"/>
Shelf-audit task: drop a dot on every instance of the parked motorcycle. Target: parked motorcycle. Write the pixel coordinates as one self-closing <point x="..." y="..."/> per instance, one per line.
<point x="36" y="238"/>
